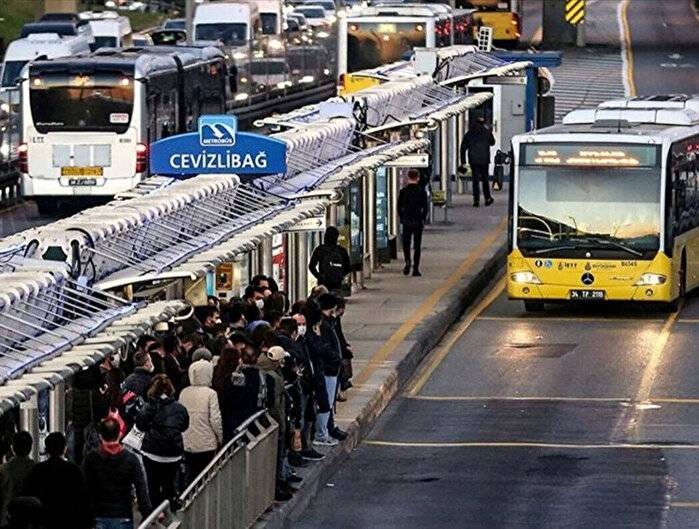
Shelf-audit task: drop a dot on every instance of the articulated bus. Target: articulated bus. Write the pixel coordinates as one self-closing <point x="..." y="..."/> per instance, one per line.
<point x="88" y="121"/>
<point x="504" y="16"/>
<point x="606" y="205"/>
<point x="387" y="33"/>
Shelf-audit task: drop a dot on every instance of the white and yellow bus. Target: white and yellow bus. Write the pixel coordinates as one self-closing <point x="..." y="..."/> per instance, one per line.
<point x="606" y="205"/>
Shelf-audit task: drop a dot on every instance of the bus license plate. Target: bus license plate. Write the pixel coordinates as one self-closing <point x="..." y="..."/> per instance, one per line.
<point x="587" y="294"/>
<point x="84" y="172"/>
<point x="82" y="182"/>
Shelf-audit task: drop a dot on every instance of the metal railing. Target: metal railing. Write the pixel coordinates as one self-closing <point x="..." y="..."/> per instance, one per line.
<point x="234" y="489"/>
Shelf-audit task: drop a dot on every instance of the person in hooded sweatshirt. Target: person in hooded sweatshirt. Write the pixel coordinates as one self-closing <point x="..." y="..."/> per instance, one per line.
<point x="330" y="262"/>
<point x="205" y="432"/>
<point x="163" y="420"/>
<point x="112" y="475"/>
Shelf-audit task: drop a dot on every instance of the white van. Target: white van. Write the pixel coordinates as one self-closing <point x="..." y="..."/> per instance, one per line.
<point x="110" y="29"/>
<point x="236" y="25"/>
<point x="47" y="45"/>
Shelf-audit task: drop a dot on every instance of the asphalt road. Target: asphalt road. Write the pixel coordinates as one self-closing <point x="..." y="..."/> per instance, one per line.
<point x="584" y="417"/>
<point x="665" y="43"/>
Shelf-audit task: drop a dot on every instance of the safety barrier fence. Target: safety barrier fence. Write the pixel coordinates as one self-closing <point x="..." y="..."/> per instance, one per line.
<point x="234" y="489"/>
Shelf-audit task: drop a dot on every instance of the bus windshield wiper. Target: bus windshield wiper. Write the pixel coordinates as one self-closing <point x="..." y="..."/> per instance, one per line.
<point x="616" y="244"/>
<point x="555" y="248"/>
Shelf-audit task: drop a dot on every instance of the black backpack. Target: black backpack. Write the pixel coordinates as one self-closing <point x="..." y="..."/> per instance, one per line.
<point x="331" y="265"/>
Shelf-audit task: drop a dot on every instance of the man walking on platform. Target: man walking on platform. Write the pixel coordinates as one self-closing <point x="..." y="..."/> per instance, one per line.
<point x="413" y="208"/>
<point x="478" y="141"/>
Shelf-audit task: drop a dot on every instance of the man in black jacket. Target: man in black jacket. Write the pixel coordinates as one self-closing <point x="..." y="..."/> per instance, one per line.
<point x="138" y="381"/>
<point x="60" y="487"/>
<point x="478" y="141"/>
<point x="413" y="208"/>
<point x="330" y="262"/>
<point x="111" y="473"/>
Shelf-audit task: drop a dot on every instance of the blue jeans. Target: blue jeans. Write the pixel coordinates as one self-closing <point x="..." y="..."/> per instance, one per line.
<point x="113" y="523"/>
<point x="323" y="418"/>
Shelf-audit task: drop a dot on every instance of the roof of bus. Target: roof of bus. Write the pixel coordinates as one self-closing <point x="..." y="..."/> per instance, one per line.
<point x="139" y="62"/>
<point x="609" y="132"/>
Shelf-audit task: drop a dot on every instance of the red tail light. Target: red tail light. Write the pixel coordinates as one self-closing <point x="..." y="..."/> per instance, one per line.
<point x="141" y="158"/>
<point x="23" y="152"/>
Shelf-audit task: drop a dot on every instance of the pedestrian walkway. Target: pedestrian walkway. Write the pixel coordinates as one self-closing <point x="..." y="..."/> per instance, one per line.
<point x="586" y="78"/>
<point x="396" y="319"/>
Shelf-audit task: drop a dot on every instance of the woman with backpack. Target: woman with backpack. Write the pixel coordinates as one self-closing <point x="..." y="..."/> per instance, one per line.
<point x="163" y="420"/>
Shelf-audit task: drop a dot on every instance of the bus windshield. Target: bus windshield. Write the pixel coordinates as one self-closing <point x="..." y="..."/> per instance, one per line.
<point x="105" y="42"/>
<point x="10" y="74"/>
<point x="85" y="102"/>
<point x="573" y="198"/>
<point x="269" y="23"/>
<point x="374" y="44"/>
<point x="229" y="34"/>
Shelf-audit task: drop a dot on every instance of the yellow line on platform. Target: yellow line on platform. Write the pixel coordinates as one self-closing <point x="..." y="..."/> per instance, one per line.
<point x="532" y="444"/>
<point x="385" y="351"/>
<point x="442" y="350"/>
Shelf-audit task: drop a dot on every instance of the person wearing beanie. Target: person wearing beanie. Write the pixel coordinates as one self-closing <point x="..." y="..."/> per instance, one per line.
<point x="205" y="432"/>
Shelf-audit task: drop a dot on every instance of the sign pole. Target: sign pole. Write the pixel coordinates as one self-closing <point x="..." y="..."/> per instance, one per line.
<point x="189" y="20"/>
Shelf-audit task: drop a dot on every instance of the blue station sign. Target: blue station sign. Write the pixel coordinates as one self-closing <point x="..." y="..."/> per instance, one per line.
<point x="218" y="148"/>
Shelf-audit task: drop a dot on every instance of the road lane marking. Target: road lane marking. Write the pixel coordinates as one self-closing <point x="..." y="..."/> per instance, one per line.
<point x="685" y="504"/>
<point x="459" y="398"/>
<point x="442" y="350"/>
<point x="626" y="48"/>
<point x="532" y="444"/>
<point x="651" y="370"/>
<point x="385" y="351"/>
<point x="565" y="319"/>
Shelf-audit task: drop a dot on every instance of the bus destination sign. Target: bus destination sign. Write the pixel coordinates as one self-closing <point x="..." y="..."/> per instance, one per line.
<point x="590" y="155"/>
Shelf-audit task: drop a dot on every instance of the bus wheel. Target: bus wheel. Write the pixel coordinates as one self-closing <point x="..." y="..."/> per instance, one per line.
<point x="533" y="306"/>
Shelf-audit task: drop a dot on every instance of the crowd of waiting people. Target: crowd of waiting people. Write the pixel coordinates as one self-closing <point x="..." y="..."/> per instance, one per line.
<point x="151" y="421"/>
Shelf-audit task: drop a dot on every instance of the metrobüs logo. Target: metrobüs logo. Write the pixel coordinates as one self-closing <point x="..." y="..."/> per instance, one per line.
<point x="217" y="131"/>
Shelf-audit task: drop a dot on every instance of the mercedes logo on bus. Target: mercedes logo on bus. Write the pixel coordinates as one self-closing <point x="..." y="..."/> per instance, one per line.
<point x="587" y="278"/>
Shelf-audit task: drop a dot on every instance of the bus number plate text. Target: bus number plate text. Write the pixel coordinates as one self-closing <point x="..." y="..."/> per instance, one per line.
<point x="587" y="294"/>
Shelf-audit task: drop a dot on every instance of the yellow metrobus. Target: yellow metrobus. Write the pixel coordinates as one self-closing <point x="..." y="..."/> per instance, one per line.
<point x="504" y="16"/>
<point x="605" y="206"/>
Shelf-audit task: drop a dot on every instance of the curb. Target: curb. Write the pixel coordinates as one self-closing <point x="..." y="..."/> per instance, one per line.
<point x="426" y="336"/>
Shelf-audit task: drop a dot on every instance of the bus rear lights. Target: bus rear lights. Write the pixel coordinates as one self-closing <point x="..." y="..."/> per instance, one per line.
<point x="650" y="279"/>
<point x="525" y="277"/>
<point x="141" y="158"/>
<point x="23" y="153"/>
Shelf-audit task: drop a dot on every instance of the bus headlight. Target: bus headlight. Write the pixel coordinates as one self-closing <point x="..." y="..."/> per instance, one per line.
<point x="650" y="279"/>
<point x="525" y="277"/>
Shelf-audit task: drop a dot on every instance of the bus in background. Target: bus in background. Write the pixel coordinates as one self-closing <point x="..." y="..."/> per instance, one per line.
<point x="44" y="45"/>
<point x="606" y="205"/>
<point x="388" y="33"/>
<point x="504" y="16"/>
<point x="88" y="122"/>
<point x="109" y="29"/>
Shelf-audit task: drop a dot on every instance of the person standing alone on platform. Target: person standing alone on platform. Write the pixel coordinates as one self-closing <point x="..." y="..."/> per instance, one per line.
<point x="413" y="208"/>
<point x="330" y="262"/>
<point x="478" y="141"/>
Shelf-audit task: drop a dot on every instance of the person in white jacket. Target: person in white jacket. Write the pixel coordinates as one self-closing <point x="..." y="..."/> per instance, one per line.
<point x="205" y="432"/>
